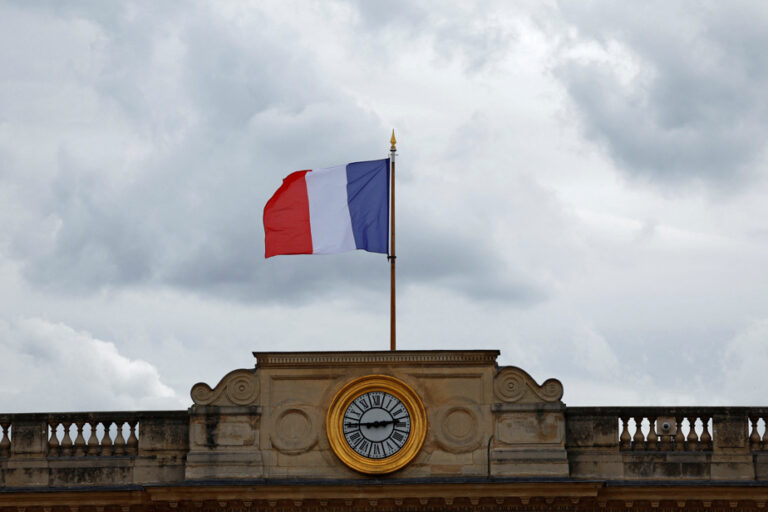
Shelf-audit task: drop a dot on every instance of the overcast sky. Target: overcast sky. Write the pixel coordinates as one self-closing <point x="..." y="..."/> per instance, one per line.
<point x="581" y="185"/>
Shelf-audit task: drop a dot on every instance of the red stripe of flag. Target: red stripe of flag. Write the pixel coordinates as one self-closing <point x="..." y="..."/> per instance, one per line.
<point x="286" y="218"/>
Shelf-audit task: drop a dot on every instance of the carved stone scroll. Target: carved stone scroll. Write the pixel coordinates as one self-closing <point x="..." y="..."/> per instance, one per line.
<point x="239" y="387"/>
<point x="513" y="385"/>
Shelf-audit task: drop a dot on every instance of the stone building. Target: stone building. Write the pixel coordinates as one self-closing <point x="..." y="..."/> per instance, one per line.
<point x="405" y="430"/>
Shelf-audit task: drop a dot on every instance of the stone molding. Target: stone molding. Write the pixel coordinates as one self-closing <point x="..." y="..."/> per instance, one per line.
<point x="376" y="358"/>
<point x="514" y="385"/>
<point x="294" y="431"/>
<point x="457" y="427"/>
<point x="238" y="387"/>
<point x="518" y="496"/>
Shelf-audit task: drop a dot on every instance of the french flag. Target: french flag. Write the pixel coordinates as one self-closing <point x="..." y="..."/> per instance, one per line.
<point x="330" y="210"/>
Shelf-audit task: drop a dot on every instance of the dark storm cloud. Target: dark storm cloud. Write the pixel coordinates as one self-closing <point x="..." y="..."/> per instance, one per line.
<point x="697" y="107"/>
<point x="219" y="117"/>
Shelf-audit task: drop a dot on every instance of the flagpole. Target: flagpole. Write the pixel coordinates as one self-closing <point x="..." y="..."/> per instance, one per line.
<point x="391" y="256"/>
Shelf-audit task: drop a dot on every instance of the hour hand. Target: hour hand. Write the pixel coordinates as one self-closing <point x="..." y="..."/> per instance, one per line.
<point x="374" y="424"/>
<point x="382" y="423"/>
<point x="369" y="423"/>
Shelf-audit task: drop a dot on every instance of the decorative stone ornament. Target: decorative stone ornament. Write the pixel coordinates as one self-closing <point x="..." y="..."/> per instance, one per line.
<point x="376" y="424"/>
<point x="514" y="385"/>
<point x="238" y="387"/>
<point x="457" y="427"/>
<point x="293" y="432"/>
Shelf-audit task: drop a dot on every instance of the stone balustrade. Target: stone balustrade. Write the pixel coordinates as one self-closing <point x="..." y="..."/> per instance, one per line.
<point x="758" y="429"/>
<point x="94" y="434"/>
<point x="617" y="443"/>
<point x="5" y="436"/>
<point x="94" y="448"/>
<point x="630" y="443"/>
<point x="664" y="429"/>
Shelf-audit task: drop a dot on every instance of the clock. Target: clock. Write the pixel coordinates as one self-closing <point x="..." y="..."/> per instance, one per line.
<point x="376" y="424"/>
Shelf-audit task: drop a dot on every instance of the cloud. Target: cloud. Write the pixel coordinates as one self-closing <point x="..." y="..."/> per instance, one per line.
<point x="475" y="35"/>
<point x="743" y="365"/>
<point x="44" y="363"/>
<point x="674" y="92"/>
<point x="158" y="153"/>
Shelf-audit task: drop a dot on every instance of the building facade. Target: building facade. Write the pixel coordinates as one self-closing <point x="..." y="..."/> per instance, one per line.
<point x="405" y="430"/>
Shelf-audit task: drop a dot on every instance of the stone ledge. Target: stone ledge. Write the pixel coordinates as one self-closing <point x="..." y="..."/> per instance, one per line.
<point x="542" y="407"/>
<point x="419" y="358"/>
<point x="225" y="410"/>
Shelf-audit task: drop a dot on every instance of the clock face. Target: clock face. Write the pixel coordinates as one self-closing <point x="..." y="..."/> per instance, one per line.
<point x="376" y="424"/>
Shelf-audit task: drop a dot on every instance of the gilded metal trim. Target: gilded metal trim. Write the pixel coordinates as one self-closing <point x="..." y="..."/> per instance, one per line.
<point x="335" y="420"/>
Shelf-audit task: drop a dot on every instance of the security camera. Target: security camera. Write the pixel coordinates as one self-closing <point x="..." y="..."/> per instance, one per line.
<point x="666" y="426"/>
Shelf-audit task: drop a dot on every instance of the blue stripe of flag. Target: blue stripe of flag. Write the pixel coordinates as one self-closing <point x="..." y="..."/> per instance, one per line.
<point x="368" y="198"/>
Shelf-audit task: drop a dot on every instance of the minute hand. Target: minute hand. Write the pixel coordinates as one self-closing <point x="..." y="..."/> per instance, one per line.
<point x="375" y="424"/>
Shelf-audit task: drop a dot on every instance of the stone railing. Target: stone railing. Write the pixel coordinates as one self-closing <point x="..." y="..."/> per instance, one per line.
<point x="5" y="435"/>
<point x="758" y="429"/>
<point x="724" y="443"/>
<point x="74" y="434"/>
<point x="116" y="447"/>
<point x="664" y="429"/>
<point x="93" y="434"/>
<point x="670" y="428"/>
<point x="607" y="443"/>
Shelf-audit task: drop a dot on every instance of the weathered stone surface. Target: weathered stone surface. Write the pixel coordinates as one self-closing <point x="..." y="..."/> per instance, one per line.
<point x="494" y="433"/>
<point x="529" y="426"/>
<point x="30" y="437"/>
<point x="588" y="428"/>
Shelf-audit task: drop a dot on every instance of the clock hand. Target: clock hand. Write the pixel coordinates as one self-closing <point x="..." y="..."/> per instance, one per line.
<point x="376" y="424"/>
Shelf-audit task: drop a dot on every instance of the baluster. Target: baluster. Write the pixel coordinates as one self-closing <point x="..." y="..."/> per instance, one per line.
<point x="666" y="441"/>
<point x="764" y="443"/>
<point x="93" y="441"/>
<point x="705" y="440"/>
<point x="638" y="440"/>
<point x="692" y="441"/>
<point x="624" y="438"/>
<point x="54" y="449"/>
<point x="679" y="437"/>
<point x="79" y="440"/>
<point x="5" y="444"/>
<point x="106" y="441"/>
<point x="66" y="441"/>
<point x="132" y="444"/>
<point x="754" y="437"/>
<point x="653" y="437"/>
<point x="119" y="439"/>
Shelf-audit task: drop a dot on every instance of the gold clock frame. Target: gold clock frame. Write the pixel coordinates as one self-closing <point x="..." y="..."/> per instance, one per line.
<point x="335" y="420"/>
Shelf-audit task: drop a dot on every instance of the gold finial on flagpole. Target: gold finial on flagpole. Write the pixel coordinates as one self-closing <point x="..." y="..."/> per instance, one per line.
<point x="393" y="141"/>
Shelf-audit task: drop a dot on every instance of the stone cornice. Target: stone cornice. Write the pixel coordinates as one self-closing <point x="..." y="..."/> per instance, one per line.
<point x="520" y="496"/>
<point x="418" y="358"/>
